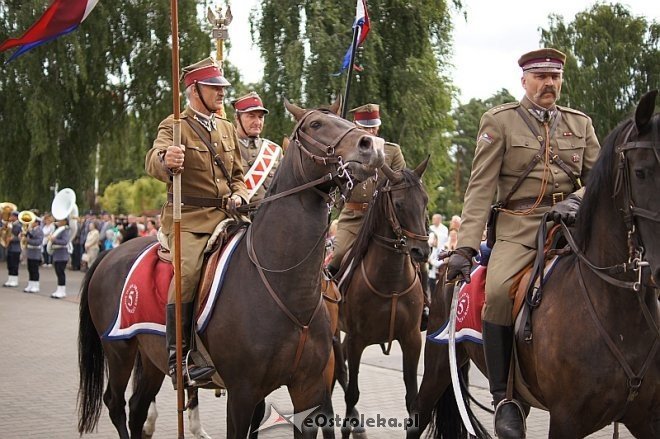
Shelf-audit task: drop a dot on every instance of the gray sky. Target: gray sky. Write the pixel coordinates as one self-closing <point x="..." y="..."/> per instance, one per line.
<point x="486" y="46"/>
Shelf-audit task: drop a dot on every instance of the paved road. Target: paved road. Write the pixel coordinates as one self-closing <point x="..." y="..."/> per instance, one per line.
<point x="39" y="376"/>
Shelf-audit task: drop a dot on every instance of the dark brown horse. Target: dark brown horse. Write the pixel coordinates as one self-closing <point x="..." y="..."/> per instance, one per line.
<point x="268" y="328"/>
<point x="383" y="293"/>
<point x="593" y="358"/>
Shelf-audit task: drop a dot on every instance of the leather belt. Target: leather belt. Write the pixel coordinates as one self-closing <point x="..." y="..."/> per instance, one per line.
<point x="528" y="203"/>
<point x="357" y="206"/>
<point x="220" y="203"/>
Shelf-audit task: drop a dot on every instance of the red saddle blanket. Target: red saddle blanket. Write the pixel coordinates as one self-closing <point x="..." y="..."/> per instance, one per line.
<point x="144" y="295"/>
<point x="471" y="300"/>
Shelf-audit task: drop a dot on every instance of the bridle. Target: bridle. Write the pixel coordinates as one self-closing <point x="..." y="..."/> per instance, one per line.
<point x="623" y="187"/>
<point x="399" y="244"/>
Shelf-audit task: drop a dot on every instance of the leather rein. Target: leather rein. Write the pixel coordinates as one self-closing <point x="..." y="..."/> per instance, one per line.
<point x="303" y="142"/>
<point x="635" y="264"/>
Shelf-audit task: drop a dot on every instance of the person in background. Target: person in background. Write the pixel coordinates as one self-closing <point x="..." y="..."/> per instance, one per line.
<point x="47" y="227"/>
<point x="438" y="232"/>
<point x="151" y="230"/>
<point x="14" y="230"/>
<point x="91" y="244"/>
<point x="59" y="243"/>
<point x="260" y="156"/>
<point x="35" y="237"/>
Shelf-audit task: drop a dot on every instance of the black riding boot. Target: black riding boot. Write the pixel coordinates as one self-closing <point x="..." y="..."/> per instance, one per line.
<point x="193" y="375"/>
<point x="498" y="344"/>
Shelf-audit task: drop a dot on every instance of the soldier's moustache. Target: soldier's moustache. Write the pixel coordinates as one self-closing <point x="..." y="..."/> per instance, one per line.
<point x="548" y="89"/>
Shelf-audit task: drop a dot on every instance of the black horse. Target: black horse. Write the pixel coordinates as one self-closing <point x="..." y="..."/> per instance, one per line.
<point x="594" y="357"/>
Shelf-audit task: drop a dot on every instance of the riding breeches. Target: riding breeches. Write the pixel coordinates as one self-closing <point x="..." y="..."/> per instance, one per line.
<point x="192" y="257"/>
<point x="344" y="240"/>
<point x="506" y="261"/>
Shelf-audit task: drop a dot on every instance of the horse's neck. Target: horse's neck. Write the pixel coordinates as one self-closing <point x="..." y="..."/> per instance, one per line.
<point x="607" y="243"/>
<point x="290" y="232"/>
<point x="396" y="267"/>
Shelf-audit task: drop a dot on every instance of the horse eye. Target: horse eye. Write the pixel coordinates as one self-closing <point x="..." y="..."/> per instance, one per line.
<point x="639" y="173"/>
<point x="315" y="124"/>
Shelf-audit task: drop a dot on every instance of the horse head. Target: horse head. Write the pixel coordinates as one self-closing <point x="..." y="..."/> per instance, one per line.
<point x="626" y="180"/>
<point x="333" y="141"/>
<point x="640" y="157"/>
<point x="407" y="208"/>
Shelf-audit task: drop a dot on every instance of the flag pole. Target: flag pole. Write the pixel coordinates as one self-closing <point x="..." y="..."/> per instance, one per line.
<point x="344" y="107"/>
<point x="176" y="214"/>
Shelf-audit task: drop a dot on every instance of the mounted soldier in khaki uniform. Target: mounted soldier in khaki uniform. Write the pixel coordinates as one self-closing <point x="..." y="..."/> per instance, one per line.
<point x="211" y="185"/>
<point x="260" y="156"/>
<point x="530" y="156"/>
<point x="366" y="117"/>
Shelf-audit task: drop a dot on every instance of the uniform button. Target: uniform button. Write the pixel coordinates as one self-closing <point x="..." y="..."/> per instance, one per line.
<point x="218" y="180"/>
<point x="556" y="184"/>
<point x="250" y="162"/>
<point x="526" y="143"/>
<point x="215" y="143"/>
<point x="551" y="161"/>
<point x="253" y="154"/>
<point x="540" y="139"/>
<point x="556" y="171"/>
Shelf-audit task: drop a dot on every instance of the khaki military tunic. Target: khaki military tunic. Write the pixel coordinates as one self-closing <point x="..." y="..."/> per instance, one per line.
<point x="250" y="149"/>
<point x="505" y="146"/>
<point x="350" y="219"/>
<point x="201" y="177"/>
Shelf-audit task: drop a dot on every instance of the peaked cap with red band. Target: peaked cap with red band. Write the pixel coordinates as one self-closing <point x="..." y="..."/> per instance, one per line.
<point x="249" y="102"/>
<point x="367" y="115"/>
<point x="205" y="72"/>
<point x="543" y="60"/>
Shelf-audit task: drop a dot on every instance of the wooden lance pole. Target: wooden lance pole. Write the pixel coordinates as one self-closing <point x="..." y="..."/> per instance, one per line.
<point x="176" y="214"/>
<point x="220" y="33"/>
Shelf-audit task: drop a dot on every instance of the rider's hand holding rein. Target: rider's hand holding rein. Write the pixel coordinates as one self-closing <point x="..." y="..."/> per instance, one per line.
<point x="566" y="210"/>
<point x="173" y="158"/>
<point x="233" y="203"/>
<point x="460" y="264"/>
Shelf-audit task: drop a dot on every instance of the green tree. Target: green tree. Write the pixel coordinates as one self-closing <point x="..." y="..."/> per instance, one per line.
<point x="403" y="59"/>
<point x="613" y="58"/>
<point x="136" y="197"/>
<point x="467" y="118"/>
<point x="107" y="84"/>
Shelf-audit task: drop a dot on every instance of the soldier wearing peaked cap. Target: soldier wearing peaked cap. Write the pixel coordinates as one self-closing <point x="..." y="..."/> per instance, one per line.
<point x="261" y="156"/>
<point x="530" y="156"/>
<point x="350" y="219"/>
<point x="212" y="185"/>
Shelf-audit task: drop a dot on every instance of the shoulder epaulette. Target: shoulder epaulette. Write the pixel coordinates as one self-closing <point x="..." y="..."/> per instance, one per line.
<point x="507" y="106"/>
<point x="393" y="144"/>
<point x="571" y="110"/>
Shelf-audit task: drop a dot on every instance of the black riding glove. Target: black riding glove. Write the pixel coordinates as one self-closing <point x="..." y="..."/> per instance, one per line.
<point x="460" y="264"/>
<point x="566" y="210"/>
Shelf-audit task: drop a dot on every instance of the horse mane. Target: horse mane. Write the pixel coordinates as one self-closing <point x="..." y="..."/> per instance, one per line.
<point x="374" y="213"/>
<point x="600" y="183"/>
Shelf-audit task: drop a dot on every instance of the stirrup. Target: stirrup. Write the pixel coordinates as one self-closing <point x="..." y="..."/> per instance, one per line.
<point x="521" y="412"/>
<point x="188" y="380"/>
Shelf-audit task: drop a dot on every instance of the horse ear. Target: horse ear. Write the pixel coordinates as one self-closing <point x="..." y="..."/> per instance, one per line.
<point x="295" y="110"/>
<point x="391" y="175"/>
<point x="421" y="168"/>
<point x="336" y="106"/>
<point x="645" y="109"/>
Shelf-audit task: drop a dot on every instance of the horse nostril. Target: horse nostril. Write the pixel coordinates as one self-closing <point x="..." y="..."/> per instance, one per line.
<point x="365" y="144"/>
